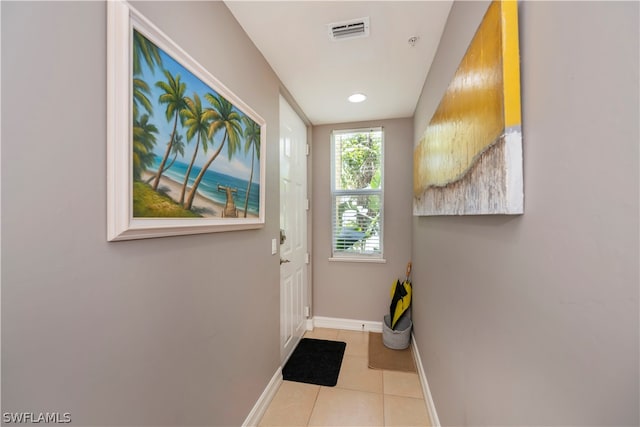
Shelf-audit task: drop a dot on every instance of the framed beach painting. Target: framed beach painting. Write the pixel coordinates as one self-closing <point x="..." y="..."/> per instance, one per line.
<point x="185" y="155"/>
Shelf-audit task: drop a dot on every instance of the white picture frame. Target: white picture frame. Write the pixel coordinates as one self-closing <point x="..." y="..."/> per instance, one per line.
<point x="130" y="159"/>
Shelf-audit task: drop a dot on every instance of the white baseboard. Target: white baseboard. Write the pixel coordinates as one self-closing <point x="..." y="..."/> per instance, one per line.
<point x="309" y="325"/>
<point x="428" y="399"/>
<point x="264" y="400"/>
<point x="348" y="324"/>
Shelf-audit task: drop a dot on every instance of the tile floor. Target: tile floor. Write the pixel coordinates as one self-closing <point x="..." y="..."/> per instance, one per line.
<point x="362" y="397"/>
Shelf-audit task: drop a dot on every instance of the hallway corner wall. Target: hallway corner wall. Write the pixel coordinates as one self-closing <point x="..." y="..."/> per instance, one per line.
<point x="533" y="319"/>
<point x="356" y="290"/>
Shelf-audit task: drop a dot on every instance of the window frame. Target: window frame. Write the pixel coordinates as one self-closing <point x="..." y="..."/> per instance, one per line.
<point x="357" y="257"/>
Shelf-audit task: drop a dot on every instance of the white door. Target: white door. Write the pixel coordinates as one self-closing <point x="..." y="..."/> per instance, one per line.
<point x="293" y="229"/>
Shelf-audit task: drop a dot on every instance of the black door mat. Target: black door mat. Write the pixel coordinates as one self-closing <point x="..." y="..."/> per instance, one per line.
<point x="315" y="362"/>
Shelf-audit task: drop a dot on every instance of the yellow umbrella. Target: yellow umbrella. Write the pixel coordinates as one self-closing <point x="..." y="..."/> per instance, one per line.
<point x="400" y="298"/>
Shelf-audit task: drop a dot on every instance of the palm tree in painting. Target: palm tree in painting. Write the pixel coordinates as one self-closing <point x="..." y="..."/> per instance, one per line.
<point x="176" y="148"/>
<point x="174" y="99"/>
<point x="251" y="140"/>
<point x="144" y="140"/>
<point x="143" y="48"/>
<point x="225" y="118"/>
<point x="196" y="120"/>
<point x="140" y="96"/>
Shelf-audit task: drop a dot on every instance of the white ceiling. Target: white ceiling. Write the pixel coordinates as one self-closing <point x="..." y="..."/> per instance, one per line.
<point x="320" y="73"/>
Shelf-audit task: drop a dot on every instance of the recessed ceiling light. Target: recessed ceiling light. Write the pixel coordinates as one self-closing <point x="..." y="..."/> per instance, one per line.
<point x="357" y="97"/>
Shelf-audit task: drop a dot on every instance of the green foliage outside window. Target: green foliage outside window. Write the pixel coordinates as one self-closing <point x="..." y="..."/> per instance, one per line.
<point x="358" y="192"/>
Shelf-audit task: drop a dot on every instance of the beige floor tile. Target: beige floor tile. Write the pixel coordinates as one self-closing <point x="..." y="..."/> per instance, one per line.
<point x="404" y="411"/>
<point x="356" y="400"/>
<point x="339" y="407"/>
<point x="292" y="405"/>
<point x="357" y="342"/>
<point x="402" y="384"/>
<point x="322" y="334"/>
<point x="356" y="375"/>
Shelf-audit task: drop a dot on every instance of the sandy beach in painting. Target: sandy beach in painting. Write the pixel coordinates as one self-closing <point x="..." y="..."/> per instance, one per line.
<point x="201" y="205"/>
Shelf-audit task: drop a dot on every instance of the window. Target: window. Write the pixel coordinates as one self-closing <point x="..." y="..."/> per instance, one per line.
<point x="357" y="193"/>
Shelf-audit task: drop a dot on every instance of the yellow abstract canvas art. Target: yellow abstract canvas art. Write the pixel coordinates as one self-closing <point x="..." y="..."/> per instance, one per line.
<point x="469" y="159"/>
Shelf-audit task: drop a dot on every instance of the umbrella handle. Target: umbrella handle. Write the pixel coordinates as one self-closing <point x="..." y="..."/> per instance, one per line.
<point x="408" y="270"/>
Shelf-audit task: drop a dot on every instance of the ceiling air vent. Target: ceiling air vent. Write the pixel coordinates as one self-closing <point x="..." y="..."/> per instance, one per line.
<point x="349" y="29"/>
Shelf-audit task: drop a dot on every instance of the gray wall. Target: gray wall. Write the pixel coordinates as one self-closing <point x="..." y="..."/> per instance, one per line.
<point x="170" y="331"/>
<point x="533" y="319"/>
<point x="361" y="290"/>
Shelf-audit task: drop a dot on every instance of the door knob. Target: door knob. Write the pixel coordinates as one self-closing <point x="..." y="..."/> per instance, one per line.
<point x="282" y="261"/>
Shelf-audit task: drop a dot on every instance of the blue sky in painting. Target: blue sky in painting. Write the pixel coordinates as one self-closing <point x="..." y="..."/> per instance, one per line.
<point x="240" y="164"/>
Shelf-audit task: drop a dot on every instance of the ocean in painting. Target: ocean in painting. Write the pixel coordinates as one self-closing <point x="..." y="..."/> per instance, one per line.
<point x="209" y="185"/>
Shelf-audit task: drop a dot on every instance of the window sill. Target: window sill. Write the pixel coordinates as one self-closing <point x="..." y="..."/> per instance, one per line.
<point x="353" y="259"/>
